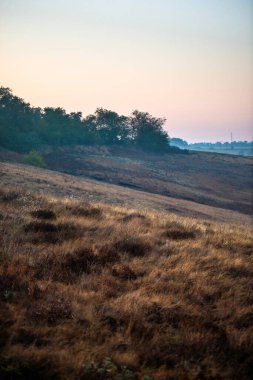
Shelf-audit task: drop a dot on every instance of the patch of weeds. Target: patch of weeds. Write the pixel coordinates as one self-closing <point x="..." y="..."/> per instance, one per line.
<point x="86" y="210"/>
<point x="44" y="214"/>
<point x="9" y="295"/>
<point x="244" y="321"/>
<point x="124" y="272"/>
<point x="133" y="245"/>
<point x="14" y="281"/>
<point x="66" y="268"/>
<point x="114" y="319"/>
<point x="68" y="231"/>
<point x="107" y="370"/>
<point x="28" y="337"/>
<point x="52" y="311"/>
<point x="52" y="233"/>
<point x="80" y="261"/>
<point x="40" y="227"/>
<point x="238" y="272"/>
<point x="9" y="196"/>
<point x="108" y="254"/>
<point x="128" y="218"/>
<point x="22" y="370"/>
<point x="179" y="233"/>
<point x="10" y="372"/>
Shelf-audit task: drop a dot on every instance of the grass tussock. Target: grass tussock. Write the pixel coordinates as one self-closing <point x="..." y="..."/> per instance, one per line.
<point x="44" y="214"/>
<point x="9" y="196"/>
<point x="85" y="210"/>
<point x="48" y="232"/>
<point x="96" y="292"/>
<point x="176" y="231"/>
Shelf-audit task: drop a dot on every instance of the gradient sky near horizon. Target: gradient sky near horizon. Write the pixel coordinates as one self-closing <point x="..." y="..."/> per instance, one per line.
<point x="190" y="61"/>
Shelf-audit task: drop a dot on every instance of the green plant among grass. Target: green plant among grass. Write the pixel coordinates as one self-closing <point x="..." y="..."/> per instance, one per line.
<point x="109" y="370"/>
<point x="35" y="159"/>
<point x="10" y="371"/>
<point x="9" y="295"/>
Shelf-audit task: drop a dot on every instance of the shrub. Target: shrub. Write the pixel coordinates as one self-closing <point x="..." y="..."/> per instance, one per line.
<point x="35" y="159"/>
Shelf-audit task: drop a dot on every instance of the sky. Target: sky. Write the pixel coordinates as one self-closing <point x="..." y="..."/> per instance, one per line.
<point x="190" y="61"/>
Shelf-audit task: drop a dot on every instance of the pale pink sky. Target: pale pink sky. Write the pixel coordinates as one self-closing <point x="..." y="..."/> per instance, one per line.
<point x="187" y="60"/>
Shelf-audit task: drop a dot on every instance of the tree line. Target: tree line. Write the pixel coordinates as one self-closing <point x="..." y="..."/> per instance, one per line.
<point x="23" y="127"/>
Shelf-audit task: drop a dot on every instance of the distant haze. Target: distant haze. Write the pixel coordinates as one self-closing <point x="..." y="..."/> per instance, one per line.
<point x="189" y="61"/>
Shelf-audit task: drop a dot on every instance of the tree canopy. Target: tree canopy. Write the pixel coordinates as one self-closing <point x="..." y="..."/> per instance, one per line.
<point x="23" y="127"/>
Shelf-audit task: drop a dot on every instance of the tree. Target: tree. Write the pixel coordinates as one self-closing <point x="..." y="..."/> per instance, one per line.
<point x="112" y="128"/>
<point x="147" y="132"/>
<point x="17" y="122"/>
<point x="24" y="128"/>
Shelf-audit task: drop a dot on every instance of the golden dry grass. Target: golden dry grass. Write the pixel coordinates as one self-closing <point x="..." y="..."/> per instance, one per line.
<point x="91" y="291"/>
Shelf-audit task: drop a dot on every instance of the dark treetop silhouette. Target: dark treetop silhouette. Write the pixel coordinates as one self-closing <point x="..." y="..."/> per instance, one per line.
<point x="23" y="127"/>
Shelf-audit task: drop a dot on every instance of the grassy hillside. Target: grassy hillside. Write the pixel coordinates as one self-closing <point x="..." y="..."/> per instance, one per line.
<point x="92" y="291"/>
<point x="212" y="179"/>
<point x="207" y="178"/>
<point x="77" y="187"/>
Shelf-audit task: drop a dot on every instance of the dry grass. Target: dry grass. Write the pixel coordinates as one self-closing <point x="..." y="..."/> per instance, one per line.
<point x="89" y="291"/>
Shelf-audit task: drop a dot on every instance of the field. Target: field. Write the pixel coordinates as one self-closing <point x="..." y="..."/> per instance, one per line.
<point x="99" y="281"/>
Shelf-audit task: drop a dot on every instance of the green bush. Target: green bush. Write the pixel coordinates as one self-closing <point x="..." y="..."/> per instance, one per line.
<point x="35" y="159"/>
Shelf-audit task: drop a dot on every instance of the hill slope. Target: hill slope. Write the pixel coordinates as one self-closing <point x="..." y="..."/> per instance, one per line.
<point x="213" y="179"/>
<point x="105" y="281"/>
<point x="59" y="184"/>
<point x="93" y="291"/>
